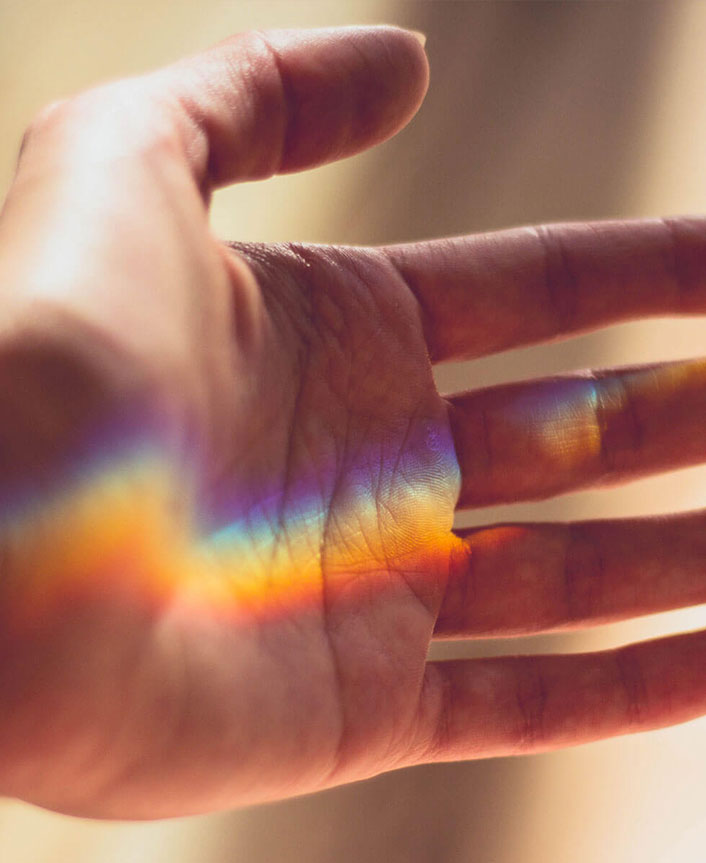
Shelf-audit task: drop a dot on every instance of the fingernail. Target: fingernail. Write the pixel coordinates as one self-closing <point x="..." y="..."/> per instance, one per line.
<point x="419" y="36"/>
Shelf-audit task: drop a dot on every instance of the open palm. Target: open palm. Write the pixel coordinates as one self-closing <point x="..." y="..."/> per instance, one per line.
<point x="241" y="541"/>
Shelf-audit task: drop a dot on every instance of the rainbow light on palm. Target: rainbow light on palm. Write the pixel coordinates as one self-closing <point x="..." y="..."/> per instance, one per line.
<point x="130" y="523"/>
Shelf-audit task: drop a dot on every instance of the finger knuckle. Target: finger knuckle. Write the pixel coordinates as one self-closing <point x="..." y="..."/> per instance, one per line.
<point x="619" y="423"/>
<point x="122" y="116"/>
<point x="531" y="695"/>
<point x="632" y="685"/>
<point x="46" y="119"/>
<point x="559" y="278"/>
<point x="582" y="574"/>
<point x="48" y="115"/>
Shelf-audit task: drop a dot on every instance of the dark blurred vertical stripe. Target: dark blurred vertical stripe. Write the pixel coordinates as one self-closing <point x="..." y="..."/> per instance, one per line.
<point x="534" y="113"/>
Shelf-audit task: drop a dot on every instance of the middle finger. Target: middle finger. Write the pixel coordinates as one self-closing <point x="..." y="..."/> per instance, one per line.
<point x="519" y="579"/>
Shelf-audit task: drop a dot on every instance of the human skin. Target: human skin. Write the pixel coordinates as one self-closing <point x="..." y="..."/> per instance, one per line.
<point x="229" y="482"/>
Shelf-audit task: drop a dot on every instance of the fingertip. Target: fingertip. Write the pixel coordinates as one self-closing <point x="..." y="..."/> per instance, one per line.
<point x="409" y="50"/>
<point x="421" y="63"/>
<point x="401" y="82"/>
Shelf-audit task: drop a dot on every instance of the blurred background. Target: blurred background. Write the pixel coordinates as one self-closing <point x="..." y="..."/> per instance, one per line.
<point x="538" y="111"/>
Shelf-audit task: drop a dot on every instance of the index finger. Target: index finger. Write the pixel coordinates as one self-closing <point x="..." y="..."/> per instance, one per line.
<point x="277" y="101"/>
<point x="505" y="289"/>
<point x="255" y="105"/>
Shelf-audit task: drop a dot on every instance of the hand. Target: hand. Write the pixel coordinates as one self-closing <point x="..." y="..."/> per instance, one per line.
<point x="229" y="480"/>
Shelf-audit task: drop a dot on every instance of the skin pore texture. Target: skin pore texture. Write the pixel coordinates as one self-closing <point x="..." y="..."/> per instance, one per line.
<point x="228" y="482"/>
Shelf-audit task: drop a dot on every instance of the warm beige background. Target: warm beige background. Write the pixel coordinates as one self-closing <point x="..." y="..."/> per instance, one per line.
<point x="537" y="111"/>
